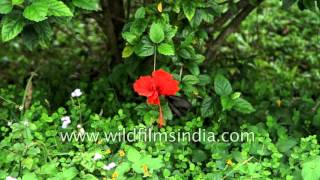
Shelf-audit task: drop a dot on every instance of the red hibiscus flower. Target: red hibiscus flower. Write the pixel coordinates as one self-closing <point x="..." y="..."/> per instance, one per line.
<point x="152" y="87"/>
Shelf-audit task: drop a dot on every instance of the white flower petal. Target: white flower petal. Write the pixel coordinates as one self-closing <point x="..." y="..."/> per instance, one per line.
<point x="10" y="178"/>
<point x="97" y="156"/>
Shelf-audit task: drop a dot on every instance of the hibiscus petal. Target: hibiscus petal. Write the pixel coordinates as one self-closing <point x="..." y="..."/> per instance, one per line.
<point x="165" y="83"/>
<point x="144" y="86"/>
<point x="169" y="88"/>
<point x="161" y="74"/>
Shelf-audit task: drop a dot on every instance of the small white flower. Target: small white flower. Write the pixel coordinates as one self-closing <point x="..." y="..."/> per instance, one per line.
<point x="82" y="131"/>
<point x="10" y="178"/>
<point x="64" y="125"/>
<point x="97" y="156"/>
<point x="109" y="166"/>
<point x="66" y="118"/>
<point x="79" y="126"/>
<point x="76" y="93"/>
<point x="26" y="123"/>
<point x="65" y="121"/>
<point x="20" y="108"/>
<point x="9" y="123"/>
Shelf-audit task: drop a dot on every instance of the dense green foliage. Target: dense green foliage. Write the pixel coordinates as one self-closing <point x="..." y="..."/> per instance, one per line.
<point x="264" y="79"/>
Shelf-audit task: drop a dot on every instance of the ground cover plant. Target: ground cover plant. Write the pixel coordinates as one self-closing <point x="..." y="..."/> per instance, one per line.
<point x="243" y="76"/>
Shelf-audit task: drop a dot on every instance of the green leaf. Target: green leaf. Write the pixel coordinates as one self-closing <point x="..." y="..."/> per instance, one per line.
<point x="17" y="2"/>
<point x="123" y="168"/>
<point x="140" y="13"/>
<point x="198" y="156"/>
<point x="44" y="32"/>
<point x="144" y="49"/>
<point x="166" y="49"/>
<point x="155" y="163"/>
<point x="204" y="79"/>
<point x="37" y="11"/>
<point x="222" y="86"/>
<point x="235" y="95"/>
<point x="28" y="162"/>
<point x="285" y="144"/>
<point x="129" y="37"/>
<point x="58" y="8"/>
<point x="29" y="176"/>
<point x="5" y="6"/>
<point x="92" y="5"/>
<point x="194" y="69"/>
<point x="69" y="174"/>
<point x="311" y="169"/>
<point x="133" y="155"/>
<point x="189" y="10"/>
<point x="12" y="26"/>
<point x="207" y="107"/>
<point x="127" y="52"/>
<point x="243" y="106"/>
<point x="156" y="33"/>
<point x="49" y="168"/>
<point x="190" y="79"/>
<point x="288" y="3"/>
<point x="226" y="102"/>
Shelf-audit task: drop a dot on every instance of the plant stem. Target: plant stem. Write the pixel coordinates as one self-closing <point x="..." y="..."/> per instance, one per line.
<point x="155" y="58"/>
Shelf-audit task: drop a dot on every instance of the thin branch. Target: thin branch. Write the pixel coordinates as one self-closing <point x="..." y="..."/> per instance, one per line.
<point x="230" y="28"/>
<point x="229" y="14"/>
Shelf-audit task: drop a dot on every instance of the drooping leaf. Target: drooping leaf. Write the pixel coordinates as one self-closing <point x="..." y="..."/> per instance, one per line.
<point x="156" y="33"/>
<point x="189" y="10"/>
<point x="12" y="26"/>
<point x="140" y="13"/>
<point x="207" y="109"/>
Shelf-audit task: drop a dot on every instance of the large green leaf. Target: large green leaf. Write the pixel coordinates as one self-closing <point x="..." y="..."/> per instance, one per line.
<point x="166" y="49"/>
<point x="156" y="33"/>
<point x="311" y="169"/>
<point x="12" y="26"/>
<point x="222" y="86"/>
<point x="58" y="8"/>
<point x="37" y="11"/>
<point x="92" y="5"/>
<point x="5" y="6"/>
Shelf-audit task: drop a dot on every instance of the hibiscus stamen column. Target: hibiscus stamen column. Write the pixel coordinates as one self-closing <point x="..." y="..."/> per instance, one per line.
<point x="161" y="120"/>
